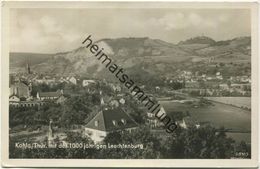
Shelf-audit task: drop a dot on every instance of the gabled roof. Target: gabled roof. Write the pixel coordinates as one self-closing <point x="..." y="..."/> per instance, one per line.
<point x="189" y="121"/>
<point x="50" y="94"/>
<point x="13" y="95"/>
<point x="111" y="120"/>
<point x="90" y="81"/>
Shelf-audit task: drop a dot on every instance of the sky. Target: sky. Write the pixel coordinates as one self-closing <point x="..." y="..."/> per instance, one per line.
<point x="53" y="30"/>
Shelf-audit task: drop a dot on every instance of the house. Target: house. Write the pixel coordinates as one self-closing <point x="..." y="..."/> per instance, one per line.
<point x="73" y="80"/>
<point x="71" y="93"/>
<point x="15" y="101"/>
<point x="107" y="121"/>
<point x="157" y="88"/>
<point x="61" y="99"/>
<point x="192" y="84"/>
<point x="116" y="87"/>
<point x="14" y="98"/>
<point x="62" y="80"/>
<point x="245" y="79"/>
<point x="203" y="75"/>
<point x="26" y="103"/>
<point x="241" y="86"/>
<point x="114" y="103"/>
<point x="237" y="86"/>
<point x="187" y="122"/>
<point x="220" y="77"/>
<point x="182" y="124"/>
<point x="153" y="121"/>
<point x="49" y="95"/>
<point x="87" y="82"/>
<point x="224" y="86"/>
<point x="209" y="78"/>
<point x="20" y="90"/>
<point x="122" y="101"/>
<point x="45" y="80"/>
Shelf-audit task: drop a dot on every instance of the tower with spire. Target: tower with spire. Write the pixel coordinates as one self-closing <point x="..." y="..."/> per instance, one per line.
<point x="28" y="69"/>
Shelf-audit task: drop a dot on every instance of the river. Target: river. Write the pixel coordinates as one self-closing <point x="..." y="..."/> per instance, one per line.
<point x="218" y="115"/>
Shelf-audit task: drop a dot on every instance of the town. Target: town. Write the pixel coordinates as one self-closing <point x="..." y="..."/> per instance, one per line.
<point x="47" y="107"/>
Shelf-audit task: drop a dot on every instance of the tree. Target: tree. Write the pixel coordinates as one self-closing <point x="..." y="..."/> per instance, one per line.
<point x="243" y="150"/>
<point x="151" y="145"/>
<point x="79" y="152"/>
<point x="205" y="142"/>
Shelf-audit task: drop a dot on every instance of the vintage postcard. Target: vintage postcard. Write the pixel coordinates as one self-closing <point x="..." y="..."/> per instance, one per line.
<point x="129" y="84"/>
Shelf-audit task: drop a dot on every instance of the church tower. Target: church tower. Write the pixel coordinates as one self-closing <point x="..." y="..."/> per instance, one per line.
<point x="28" y="69"/>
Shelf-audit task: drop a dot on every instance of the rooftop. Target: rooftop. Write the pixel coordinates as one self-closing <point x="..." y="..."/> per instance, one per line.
<point x="50" y="94"/>
<point x="111" y="120"/>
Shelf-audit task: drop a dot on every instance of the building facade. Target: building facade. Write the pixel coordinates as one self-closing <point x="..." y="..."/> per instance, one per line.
<point x="107" y="121"/>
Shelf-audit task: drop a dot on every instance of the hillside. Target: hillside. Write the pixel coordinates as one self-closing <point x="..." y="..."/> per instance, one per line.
<point x="198" y="40"/>
<point x="18" y="61"/>
<point x="153" y="57"/>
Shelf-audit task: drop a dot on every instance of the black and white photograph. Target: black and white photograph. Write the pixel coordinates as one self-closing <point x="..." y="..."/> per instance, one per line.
<point x="120" y="80"/>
